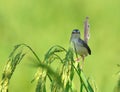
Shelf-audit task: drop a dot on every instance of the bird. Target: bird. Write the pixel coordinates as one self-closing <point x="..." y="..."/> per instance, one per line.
<point x="80" y="47"/>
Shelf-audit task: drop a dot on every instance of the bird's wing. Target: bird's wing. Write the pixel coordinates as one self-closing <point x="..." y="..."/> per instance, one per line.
<point x="85" y="45"/>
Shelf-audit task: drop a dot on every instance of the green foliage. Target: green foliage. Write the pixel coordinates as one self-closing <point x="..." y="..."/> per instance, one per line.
<point x="61" y="80"/>
<point x="117" y="87"/>
<point x="14" y="58"/>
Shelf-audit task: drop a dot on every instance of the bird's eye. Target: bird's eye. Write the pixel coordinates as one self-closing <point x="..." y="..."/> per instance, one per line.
<point x="73" y="32"/>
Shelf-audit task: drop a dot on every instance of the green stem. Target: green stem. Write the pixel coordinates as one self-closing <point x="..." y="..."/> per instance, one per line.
<point x="75" y="50"/>
<point x="31" y="51"/>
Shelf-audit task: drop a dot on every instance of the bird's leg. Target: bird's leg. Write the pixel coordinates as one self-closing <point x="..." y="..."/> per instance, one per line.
<point x="77" y="59"/>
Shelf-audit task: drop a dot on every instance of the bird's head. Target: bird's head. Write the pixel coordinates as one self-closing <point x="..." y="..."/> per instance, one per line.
<point x="75" y="33"/>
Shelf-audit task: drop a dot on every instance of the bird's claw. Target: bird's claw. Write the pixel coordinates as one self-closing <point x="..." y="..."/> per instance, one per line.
<point x="78" y="60"/>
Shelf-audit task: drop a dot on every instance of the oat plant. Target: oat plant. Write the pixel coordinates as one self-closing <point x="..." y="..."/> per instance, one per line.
<point x="59" y="75"/>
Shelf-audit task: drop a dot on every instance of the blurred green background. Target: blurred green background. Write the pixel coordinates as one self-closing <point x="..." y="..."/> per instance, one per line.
<point x="44" y="23"/>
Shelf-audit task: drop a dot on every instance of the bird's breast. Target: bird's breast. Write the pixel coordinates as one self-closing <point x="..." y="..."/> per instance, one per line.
<point x="81" y="50"/>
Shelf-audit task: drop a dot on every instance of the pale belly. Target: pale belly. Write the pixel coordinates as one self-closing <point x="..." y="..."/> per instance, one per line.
<point x="82" y="51"/>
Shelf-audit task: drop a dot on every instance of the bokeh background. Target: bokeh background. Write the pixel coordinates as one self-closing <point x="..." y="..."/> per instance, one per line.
<point x="44" y="23"/>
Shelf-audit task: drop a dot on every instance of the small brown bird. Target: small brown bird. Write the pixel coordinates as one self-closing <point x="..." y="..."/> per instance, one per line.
<point x="80" y="47"/>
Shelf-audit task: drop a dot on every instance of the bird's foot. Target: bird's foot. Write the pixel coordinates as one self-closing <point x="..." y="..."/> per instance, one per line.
<point x="77" y="60"/>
